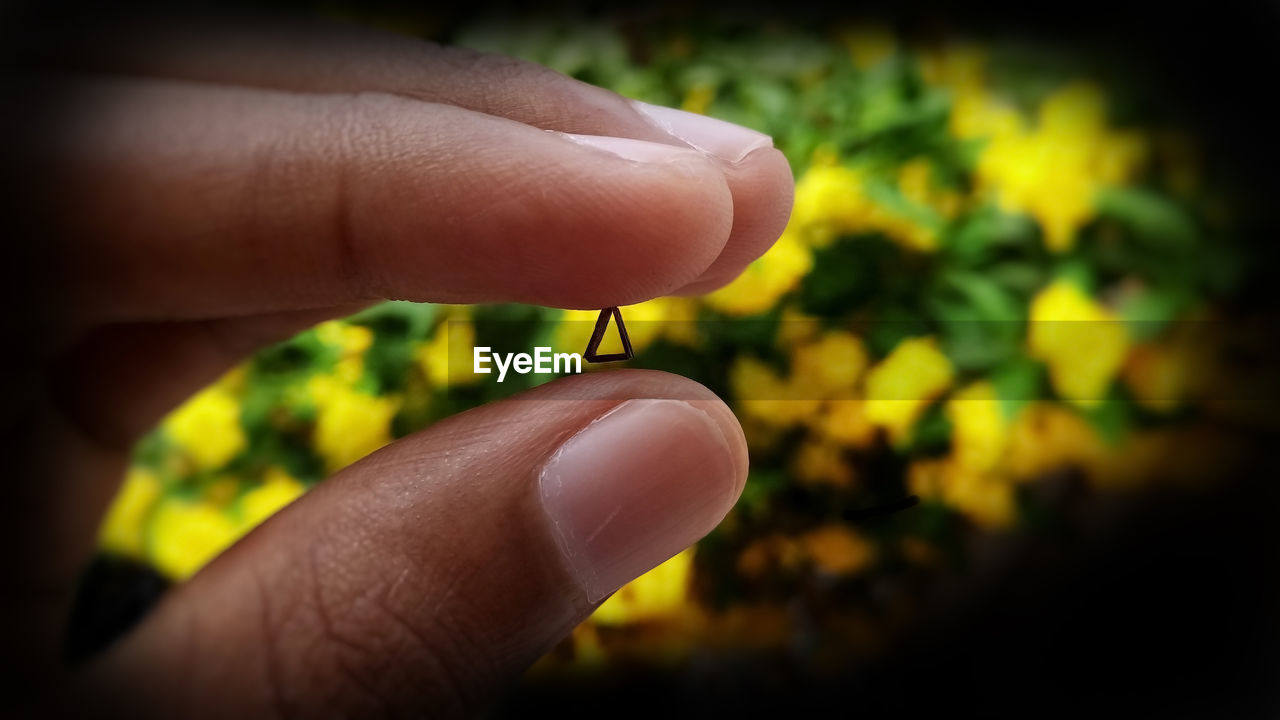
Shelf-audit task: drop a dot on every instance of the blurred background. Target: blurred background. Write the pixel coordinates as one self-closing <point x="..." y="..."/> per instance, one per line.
<point x="1025" y="282"/>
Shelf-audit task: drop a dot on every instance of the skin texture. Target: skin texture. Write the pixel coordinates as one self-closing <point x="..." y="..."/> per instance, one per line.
<point x="202" y="189"/>
<point x="465" y="590"/>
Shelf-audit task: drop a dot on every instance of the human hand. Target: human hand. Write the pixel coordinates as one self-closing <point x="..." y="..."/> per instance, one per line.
<point x="204" y="190"/>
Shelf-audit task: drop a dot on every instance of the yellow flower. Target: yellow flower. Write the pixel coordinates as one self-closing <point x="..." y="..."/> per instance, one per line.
<point x="234" y="380"/>
<point x="122" y="530"/>
<point x="660" y="593"/>
<point x="795" y="327"/>
<point x="1054" y="171"/>
<point x="1078" y="109"/>
<point x="826" y="154"/>
<point x="773" y="552"/>
<point x="1120" y="155"/>
<point x="675" y="317"/>
<point x="765" y="280"/>
<point x="221" y="491"/>
<point x="972" y="478"/>
<point x="754" y="560"/>
<point x="765" y="397"/>
<point x="671" y="318"/>
<point x="1083" y="343"/>
<point x="762" y="436"/>
<point x="277" y="490"/>
<point x="905" y="231"/>
<point x="185" y="535"/>
<point x="587" y="648"/>
<point x="954" y="65"/>
<point x="207" y="427"/>
<point x="977" y="113"/>
<point x="1046" y="437"/>
<point x="979" y="428"/>
<point x="447" y="359"/>
<point x="985" y="498"/>
<point x="352" y="342"/>
<point x="351" y="339"/>
<point x="915" y="182"/>
<point x="1161" y="375"/>
<point x="1043" y="178"/>
<point x="868" y="44"/>
<point x="904" y="383"/>
<point x="843" y="420"/>
<point x="832" y="363"/>
<point x="573" y="332"/>
<point x="350" y="424"/>
<point x="828" y="201"/>
<point x="816" y="462"/>
<point x="925" y="477"/>
<point x="698" y="98"/>
<point x="838" y="550"/>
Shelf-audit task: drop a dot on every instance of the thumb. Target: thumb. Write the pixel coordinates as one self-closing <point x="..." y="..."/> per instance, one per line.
<point x="426" y="577"/>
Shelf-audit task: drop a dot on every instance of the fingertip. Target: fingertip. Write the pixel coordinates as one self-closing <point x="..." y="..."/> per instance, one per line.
<point x="656" y="218"/>
<point x="637" y="484"/>
<point x="531" y="216"/>
<point x="618" y="386"/>
<point x="763" y="189"/>
<point x="731" y="433"/>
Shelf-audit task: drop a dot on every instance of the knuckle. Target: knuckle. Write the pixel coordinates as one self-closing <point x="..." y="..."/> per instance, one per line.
<point x="357" y="138"/>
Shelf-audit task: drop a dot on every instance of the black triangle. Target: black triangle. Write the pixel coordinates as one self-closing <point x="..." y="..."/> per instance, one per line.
<point x="602" y="324"/>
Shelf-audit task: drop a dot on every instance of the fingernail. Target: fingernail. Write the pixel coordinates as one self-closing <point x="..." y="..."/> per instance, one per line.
<point x="638" y="150"/>
<point x="636" y="486"/>
<point x="723" y="139"/>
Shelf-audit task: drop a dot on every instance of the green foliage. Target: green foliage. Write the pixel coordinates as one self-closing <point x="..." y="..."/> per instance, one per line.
<point x="1145" y="254"/>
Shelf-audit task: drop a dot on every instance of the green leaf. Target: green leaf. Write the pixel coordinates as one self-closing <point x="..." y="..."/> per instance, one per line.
<point x="981" y="322"/>
<point x="761" y="486"/>
<point x="931" y="436"/>
<point x="672" y="358"/>
<point x="848" y="274"/>
<point x="1077" y="271"/>
<point x="302" y="354"/>
<point x="884" y="335"/>
<point x="985" y="295"/>
<point x="974" y="344"/>
<point x="412" y="319"/>
<point x="1017" y="382"/>
<point x="743" y="335"/>
<point x="152" y="449"/>
<point x="888" y="196"/>
<point x="1019" y="277"/>
<point x="1148" y="311"/>
<point x="986" y="231"/>
<point x="387" y="363"/>
<point x="1112" y="417"/>
<point x="1153" y="217"/>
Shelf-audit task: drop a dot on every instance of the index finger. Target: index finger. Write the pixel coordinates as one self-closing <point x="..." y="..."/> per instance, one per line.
<point x="196" y="201"/>
<point x="319" y="57"/>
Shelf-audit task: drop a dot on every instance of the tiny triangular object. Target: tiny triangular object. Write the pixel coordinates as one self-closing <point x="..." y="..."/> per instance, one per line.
<point x="602" y="324"/>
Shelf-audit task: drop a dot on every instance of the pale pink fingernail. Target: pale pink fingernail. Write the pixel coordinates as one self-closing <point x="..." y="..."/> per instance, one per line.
<point x="723" y="139"/>
<point x="635" y="487"/>
<point x="638" y="150"/>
